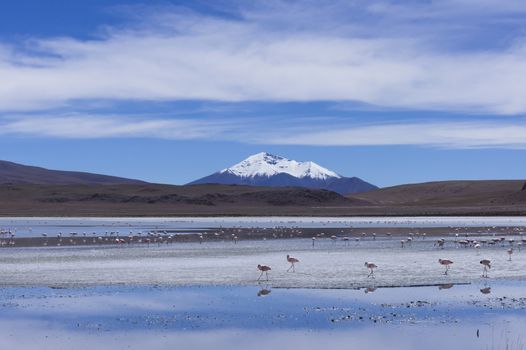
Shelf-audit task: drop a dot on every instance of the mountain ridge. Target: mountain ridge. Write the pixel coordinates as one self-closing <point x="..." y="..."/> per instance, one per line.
<point x="16" y="173"/>
<point x="265" y="169"/>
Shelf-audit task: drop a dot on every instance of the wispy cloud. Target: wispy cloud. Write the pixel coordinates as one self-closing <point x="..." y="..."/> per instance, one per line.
<point x="281" y="51"/>
<point x="79" y="126"/>
<point x="443" y="134"/>
<point x="431" y="134"/>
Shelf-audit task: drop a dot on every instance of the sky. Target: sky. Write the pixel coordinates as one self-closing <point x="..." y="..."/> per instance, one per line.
<point x="170" y="91"/>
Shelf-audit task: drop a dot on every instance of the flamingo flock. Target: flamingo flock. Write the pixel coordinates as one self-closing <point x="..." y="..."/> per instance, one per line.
<point x="264" y="269"/>
<point x="7" y="238"/>
<point x="446" y="263"/>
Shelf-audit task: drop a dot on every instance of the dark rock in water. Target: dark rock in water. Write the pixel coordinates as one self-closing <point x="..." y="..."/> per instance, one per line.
<point x="523" y="187"/>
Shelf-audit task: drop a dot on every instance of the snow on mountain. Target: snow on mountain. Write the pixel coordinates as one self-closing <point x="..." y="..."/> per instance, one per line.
<point x="264" y="169"/>
<point x="265" y="164"/>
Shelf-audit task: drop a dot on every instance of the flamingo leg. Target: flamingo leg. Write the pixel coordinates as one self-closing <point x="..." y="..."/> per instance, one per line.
<point x="266" y="272"/>
<point x="260" y="275"/>
<point x="293" y="268"/>
<point x="291" y="265"/>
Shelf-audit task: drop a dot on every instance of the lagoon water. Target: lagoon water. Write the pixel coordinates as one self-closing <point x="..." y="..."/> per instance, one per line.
<point x="202" y="295"/>
<point x="34" y="227"/>
<point x="491" y="315"/>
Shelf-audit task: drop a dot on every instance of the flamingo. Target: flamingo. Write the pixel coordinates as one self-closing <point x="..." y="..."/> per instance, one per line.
<point x="446" y="263"/>
<point x="264" y="269"/>
<point x="510" y="252"/>
<point x="487" y="265"/>
<point x="292" y="261"/>
<point x="371" y="266"/>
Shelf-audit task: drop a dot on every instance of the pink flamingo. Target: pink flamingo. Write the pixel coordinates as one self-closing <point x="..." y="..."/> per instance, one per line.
<point x="371" y="266"/>
<point x="487" y="265"/>
<point x="446" y="263"/>
<point x="264" y="269"/>
<point x="292" y="261"/>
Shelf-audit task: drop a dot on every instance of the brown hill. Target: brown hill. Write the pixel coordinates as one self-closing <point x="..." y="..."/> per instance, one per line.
<point x="24" y="174"/>
<point x="485" y="193"/>
<point x="434" y="198"/>
<point x="166" y="200"/>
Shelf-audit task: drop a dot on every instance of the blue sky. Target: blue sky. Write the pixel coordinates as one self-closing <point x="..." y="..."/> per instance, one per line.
<point x="170" y="91"/>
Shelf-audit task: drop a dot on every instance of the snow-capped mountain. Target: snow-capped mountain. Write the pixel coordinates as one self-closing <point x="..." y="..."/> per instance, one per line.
<point x="265" y="164"/>
<point x="264" y="169"/>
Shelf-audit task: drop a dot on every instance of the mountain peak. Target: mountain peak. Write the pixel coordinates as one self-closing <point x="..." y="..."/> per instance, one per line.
<point x="267" y="165"/>
<point x="264" y="157"/>
<point x="265" y="169"/>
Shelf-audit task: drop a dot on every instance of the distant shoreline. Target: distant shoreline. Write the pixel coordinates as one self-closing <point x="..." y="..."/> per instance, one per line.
<point x="217" y="234"/>
<point x="325" y="214"/>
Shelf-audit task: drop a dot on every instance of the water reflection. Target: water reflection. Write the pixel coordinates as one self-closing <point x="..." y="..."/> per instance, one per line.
<point x="264" y="290"/>
<point x="485" y="290"/>
<point x="370" y="290"/>
<point x="446" y="286"/>
<point x="226" y="317"/>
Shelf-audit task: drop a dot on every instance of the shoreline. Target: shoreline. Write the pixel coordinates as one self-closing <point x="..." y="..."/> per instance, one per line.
<point x="218" y="234"/>
<point x="377" y="212"/>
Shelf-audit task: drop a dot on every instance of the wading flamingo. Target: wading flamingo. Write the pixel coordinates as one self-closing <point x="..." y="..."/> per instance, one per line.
<point x="264" y="269"/>
<point x="371" y="266"/>
<point x="292" y="261"/>
<point x="487" y="265"/>
<point x="446" y="263"/>
<point x="510" y="252"/>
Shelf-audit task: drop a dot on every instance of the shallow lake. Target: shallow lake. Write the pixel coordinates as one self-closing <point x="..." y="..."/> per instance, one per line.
<point x="485" y="316"/>
<point x="33" y="227"/>
<point x="202" y="295"/>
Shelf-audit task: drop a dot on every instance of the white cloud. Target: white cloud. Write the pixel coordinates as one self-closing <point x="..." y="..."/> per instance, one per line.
<point x="107" y="126"/>
<point x="272" y="54"/>
<point x="444" y="134"/>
